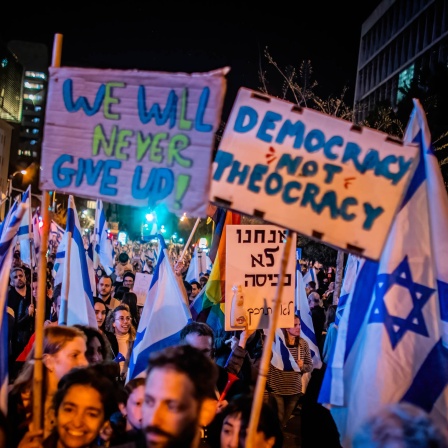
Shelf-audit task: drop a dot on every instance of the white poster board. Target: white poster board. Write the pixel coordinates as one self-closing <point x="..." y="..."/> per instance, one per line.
<point x="132" y="137"/>
<point x="311" y="172"/>
<point x="253" y="261"/>
<point x="141" y="287"/>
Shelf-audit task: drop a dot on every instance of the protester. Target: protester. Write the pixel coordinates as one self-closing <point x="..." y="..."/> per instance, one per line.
<point x="98" y="347"/>
<point x="179" y="397"/>
<point x="400" y="425"/>
<point x="105" y="290"/>
<point x="130" y="299"/>
<point x="83" y="403"/>
<point x="317" y="316"/>
<point x="64" y="348"/>
<point x="131" y="410"/>
<point x="234" y="420"/>
<point x="285" y="387"/>
<point x="122" y="335"/>
<point x="128" y="280"/>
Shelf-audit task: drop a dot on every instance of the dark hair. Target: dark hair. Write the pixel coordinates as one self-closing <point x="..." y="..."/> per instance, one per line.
<point x="91" y="376"/>
<point x="197" y="366"/>
<point x="129" y="274"/>
<point x="194" y="282"/>
<point x="200" y="328"/>
<point x="130" y="299"/>
<point x="312" y="284"/>
<point x="268" y="422"/>
<point x="120" y="292"/>
<point x="131" y="385"/>
<point x="330" y="316"/>
<point x="99" y="300"/>
<point x="92" y="333"/>
<point x="188" y="287"/>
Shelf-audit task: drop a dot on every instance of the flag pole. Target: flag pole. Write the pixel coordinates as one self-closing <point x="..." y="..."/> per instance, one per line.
<point x="267" y="348"/>
<point x="187" y="244"/>
<point x="42" y="286"/>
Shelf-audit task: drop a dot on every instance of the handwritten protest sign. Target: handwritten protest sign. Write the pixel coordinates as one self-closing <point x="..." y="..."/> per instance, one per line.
<point x="132" y="137"/>
<point x="141" y="287"/>
<point x="254" y="256"/>
<point x="310" y="172"/>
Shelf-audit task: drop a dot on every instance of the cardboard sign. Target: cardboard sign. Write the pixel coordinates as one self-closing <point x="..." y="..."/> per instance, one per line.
<point x="253" y="261"/>
<point x="312" y="173"/>
<point x="132" y="137"/>
<point x="141" y="287"/>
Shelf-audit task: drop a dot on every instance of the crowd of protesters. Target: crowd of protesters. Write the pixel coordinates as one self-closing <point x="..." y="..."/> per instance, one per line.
<point x="196" y="393"/>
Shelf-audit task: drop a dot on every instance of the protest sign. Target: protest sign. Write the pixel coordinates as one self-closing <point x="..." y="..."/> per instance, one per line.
<point x="141" y="287"/>
<point x="132" y="137"/>
<point x="253" y="262"/>
<point x="310" y="172"/>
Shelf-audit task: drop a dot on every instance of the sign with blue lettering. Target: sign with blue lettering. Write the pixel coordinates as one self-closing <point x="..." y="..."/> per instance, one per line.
<point x="132" y="137"/>
<point x="253" y="263"/>
<point x="310" y="172"/>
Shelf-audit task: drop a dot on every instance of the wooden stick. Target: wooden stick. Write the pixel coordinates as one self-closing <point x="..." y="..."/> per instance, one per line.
<point x="190" y="238"/>
<point x="38" y="398"/>
<point x="267" y="349"/>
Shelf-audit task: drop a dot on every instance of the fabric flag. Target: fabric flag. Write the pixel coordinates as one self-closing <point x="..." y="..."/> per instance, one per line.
<point x="164" y="315"/>
<point x="281" y="356"/>
<point x="352" y="268"/>
<point x="306" y="322"/>
<point x="311" y="275"/>
<point x="200" y="264"/>
<point x="56" y="233"/>
<point x="9" y="231"/>
<point x="25" y="233"/>
<point x="209" y="304"/>
<point x="76" y="296"/>
<point x="391" y="344"/>
<point x="104" y="251"/>
<point x="37" y="237"/>
<point x="90" y="268"/>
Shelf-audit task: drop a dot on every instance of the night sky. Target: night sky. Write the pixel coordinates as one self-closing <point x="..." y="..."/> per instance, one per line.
<point x="188" y="38"/>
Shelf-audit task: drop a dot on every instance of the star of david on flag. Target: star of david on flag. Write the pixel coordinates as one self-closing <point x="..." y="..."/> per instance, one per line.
<point x="392" y="341"/>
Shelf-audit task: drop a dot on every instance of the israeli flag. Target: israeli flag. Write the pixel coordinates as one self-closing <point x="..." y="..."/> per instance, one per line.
<point x="9" y="229"/>
<point x="352" y="268"/>
<point x="392" y="343"/>
<point x="306" y="322"/>
<point x="281" y="356"/>
<point x="77" y="295"/>
<point x="103" y="249"/>
<point x="25" y="233"/>
<point x="200" y="264"/>
<point x="164" y="315"/>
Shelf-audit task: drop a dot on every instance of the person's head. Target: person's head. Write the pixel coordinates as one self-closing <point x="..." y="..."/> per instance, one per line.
<point x="57" y="291"/>
<point x="234" y="421"/>
<point x="312" y="285"/>
<point x="195" y="289"/>
<point x="132" y="408"/>
<point x="199" y="335"/>
<point x="331" y="286"/>
<point x="83" y="403"/>
<point x="295" y="330"/>
<point x="100" y="312"/>
<point x="123" y="259"/>
<point x="400" y="425"/>
<point x="330" y="315"/>
<point x="187" y="286"/>
<point x="118" y="295"/>
<point x="64" y="348"/>
<point x="128" y="279"/>
<point x="203" y="280"/>
<point x="314" y="299"/>
<point x="16" y="260"/>
<point x="179" y="396"/>
<point x="130" y="299"/>
<point x="104" y="286"/>
<point x="119" y="321"/>
<point x="97" y="349"/>
<point x="18" y="277"/>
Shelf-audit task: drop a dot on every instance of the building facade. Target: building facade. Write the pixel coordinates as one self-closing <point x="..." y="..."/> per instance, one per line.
<point x="398" y="39"/>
